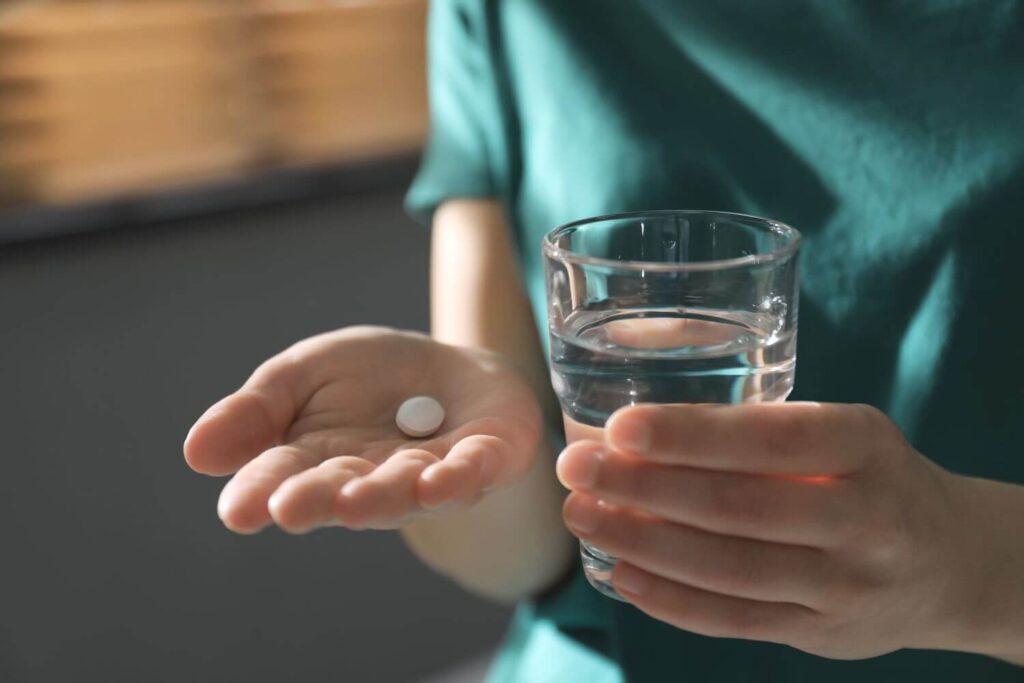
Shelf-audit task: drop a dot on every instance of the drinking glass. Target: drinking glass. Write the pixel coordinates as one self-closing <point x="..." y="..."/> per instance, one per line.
<point x="668" y="307"/>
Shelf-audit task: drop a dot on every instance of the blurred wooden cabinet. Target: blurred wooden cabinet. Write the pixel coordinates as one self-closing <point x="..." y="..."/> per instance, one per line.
<point x="107" y="97"/>
<point x="342" y="80"/>
<point x="114" y="97"/>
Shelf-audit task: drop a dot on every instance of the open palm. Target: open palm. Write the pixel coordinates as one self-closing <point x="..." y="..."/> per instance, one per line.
<point x="311" y="436"/>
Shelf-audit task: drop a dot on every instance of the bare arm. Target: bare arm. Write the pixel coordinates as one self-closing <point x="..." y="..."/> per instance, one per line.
<point x="512" y="543"/>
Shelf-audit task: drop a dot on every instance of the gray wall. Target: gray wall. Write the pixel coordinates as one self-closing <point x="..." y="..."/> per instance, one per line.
<point x="114" y="566"/>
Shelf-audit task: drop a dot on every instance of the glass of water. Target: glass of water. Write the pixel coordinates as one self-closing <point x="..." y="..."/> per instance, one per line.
<point x="667" y="307"/>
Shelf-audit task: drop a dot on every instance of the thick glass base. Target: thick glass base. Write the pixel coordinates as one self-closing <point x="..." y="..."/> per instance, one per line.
<point x="597" y="565"/>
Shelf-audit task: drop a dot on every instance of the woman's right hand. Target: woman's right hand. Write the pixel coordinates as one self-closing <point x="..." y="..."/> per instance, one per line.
<point x="311" y="436"/>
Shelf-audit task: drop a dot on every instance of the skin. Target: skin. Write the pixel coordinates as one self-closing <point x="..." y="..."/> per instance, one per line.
<point x="312" y="442"/>
<point x="512" y="543"/>
<point x="813" y="525"/>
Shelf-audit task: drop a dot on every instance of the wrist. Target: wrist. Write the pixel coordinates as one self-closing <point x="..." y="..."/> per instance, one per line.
<point x="510" y="545"/>
<point x="989" y="619"/>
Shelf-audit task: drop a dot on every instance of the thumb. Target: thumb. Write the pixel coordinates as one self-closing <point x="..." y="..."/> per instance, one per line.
<point x="244" y="424"/>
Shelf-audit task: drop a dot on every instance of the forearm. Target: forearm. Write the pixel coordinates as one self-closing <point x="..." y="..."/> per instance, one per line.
<point x="476" y="294"/>
<point x="993" y="613"/>
<point x="512" y="543"/>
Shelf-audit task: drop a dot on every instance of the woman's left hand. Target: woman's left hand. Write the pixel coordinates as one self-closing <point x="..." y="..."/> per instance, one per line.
<point x="813" y="525"/>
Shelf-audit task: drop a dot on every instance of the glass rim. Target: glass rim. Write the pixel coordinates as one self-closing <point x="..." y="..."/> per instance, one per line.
<point x="790" y="234"/>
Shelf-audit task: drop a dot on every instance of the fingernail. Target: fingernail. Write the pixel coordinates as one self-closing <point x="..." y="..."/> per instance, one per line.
<point x="579" y="470"/>
<point x="630" y="581"/>
<point x="582" y="516"/>
<point x="630" y="434"/>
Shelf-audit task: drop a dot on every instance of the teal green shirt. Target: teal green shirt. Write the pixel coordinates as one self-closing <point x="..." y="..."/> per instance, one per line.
<point x="890" y="132"/>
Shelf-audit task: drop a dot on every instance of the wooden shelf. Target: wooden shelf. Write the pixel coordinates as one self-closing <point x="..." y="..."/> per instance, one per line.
<point x="105" y="97"/>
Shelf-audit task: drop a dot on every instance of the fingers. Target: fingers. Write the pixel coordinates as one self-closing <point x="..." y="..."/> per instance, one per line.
<point x="312" y="498"/>
<point x="770" y="508"/>
<point x="243" y="502"/>
<point x="387" y="496"/>
<point x="413" y="481"/>
<point x="712" y="614"/>
<point x="470" y="468"/>
<point x="351" y="491"/>
<point x="244" y="424"/>
<point x="230" y="433"/>
<point x="723" y="564"/>
<point x="809" y="439"/>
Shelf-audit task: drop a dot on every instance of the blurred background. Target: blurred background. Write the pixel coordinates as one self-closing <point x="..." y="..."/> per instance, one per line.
<point x="186" y="188"/>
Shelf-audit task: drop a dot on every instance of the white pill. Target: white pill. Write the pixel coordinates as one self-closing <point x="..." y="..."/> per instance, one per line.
<point x="419" y="416"/>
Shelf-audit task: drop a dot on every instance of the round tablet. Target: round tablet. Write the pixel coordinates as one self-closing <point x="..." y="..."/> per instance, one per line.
<point x="419" y="416"/>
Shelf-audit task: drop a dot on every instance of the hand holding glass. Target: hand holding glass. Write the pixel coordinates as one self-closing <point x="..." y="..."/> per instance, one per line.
<point x="667" y="307"/>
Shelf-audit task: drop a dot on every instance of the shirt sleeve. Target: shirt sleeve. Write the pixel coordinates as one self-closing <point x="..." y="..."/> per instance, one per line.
<point x="462" y="157"/>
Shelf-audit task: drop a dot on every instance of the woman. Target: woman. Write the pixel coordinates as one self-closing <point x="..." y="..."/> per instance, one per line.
<point x="889" y="133"/>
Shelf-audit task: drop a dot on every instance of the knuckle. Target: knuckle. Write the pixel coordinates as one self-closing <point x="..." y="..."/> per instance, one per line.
<point x="876" y="424"/>
<point x="261" y="397"/>
<point x="880" y="539"/>
<point x="888" y="543"/>
<point x="869" y="414"/>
